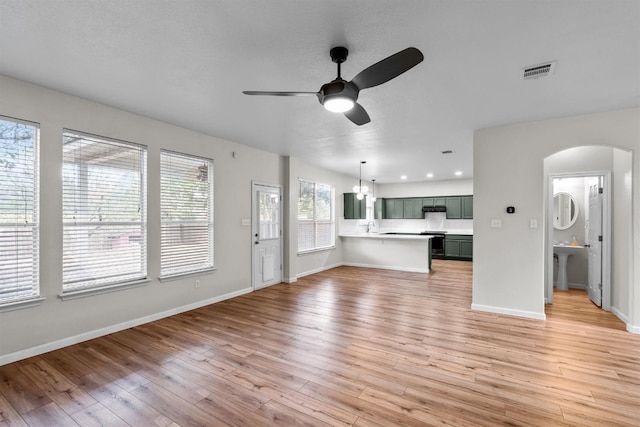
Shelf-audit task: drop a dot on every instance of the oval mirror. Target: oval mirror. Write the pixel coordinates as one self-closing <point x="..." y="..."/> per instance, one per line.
<point x="565" y="211"/>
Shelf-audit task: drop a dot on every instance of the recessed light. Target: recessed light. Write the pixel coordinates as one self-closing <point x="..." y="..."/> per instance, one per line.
<point x="458" y="173"/>
<point x="403" y="177"/>
<point x="429" y="175"/>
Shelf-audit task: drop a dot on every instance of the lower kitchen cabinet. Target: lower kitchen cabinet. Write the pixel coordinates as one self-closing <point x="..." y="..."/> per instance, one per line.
<point x="458" y="246"/>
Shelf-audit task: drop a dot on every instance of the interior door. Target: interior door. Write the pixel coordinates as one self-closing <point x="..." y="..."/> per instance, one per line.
<point x="594" y="235"/>
<point x="267" y="235"/>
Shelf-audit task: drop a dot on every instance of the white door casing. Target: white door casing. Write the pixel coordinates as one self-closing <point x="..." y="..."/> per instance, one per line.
<point x="594" y="242"/>
<point x="266" y="235"/>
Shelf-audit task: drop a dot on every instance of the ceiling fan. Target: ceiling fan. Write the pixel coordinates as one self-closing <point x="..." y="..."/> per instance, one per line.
<point x="340" y="96"/>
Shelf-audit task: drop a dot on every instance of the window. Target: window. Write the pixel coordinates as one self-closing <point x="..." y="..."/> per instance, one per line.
<point x="316" y="224"/>
<point x="104" y="212"/>
<point x="186" y="205"/>
<point x="19" y="197"/>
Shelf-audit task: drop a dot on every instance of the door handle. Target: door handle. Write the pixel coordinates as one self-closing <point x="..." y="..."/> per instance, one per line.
<point x="257" y="243"/>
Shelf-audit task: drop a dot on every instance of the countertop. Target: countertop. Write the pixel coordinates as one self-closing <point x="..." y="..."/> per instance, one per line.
<point x="376" y="235"/>
<point x="379" y="234"/>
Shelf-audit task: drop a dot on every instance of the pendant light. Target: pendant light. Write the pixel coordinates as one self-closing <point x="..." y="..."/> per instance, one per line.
<point x="373" y="190"/>
<point x="360" y="190"/>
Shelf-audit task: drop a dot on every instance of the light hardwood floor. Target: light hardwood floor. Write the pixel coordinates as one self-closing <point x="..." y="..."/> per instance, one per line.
<point x="348" y="346"/>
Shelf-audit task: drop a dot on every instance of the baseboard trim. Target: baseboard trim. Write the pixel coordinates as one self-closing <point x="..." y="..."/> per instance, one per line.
<point x="317" y="270"/>
<point x="634" y="329"/>
<point x="509" y="311"/>
<point x="65" y="342"/>
<point x="387" y="267"/>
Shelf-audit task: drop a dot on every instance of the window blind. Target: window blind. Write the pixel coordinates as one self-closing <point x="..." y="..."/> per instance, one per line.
<point x="186" y="204"/>
<point x="104" y="212"/>
<point x="316" y="224"/>
<point x="19" y="209"/>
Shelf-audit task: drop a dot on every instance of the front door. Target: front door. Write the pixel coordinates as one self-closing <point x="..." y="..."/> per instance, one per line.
<point x="266" y="235"/>
<point x="595" y="245"/>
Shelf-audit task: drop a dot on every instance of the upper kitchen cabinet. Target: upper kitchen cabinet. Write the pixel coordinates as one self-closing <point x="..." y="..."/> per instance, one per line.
<point x="354" y="208"/>
<point x="412" y="209"/>
<point x="459" y="207"/>
<point x="379" y="209"/>
<point x="433" y="201"/>
<point x="454" y="207"/>
<point x="394" y="208"/>
<point x="467" y="207"/>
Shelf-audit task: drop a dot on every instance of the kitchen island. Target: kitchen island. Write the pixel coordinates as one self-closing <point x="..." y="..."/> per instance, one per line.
<point x="405" y="252"/>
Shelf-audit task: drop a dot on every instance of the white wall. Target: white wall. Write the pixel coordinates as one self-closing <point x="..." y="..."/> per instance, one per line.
<point x="509" y="170"/>
<point x="298" y="265"/>
<point x="57" y="322"/>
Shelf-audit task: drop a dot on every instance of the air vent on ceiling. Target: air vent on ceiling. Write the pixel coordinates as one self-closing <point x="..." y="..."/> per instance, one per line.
<point x="537" y="71"/>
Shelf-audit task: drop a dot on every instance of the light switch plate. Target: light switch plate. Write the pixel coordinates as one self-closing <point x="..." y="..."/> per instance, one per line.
<point x="246" y="222"/>
<point x="533" y="223"/>
<point x="496" y="223"/>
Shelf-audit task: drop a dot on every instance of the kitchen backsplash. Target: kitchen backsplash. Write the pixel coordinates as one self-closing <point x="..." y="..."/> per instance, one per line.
<point x="409" y="225"/>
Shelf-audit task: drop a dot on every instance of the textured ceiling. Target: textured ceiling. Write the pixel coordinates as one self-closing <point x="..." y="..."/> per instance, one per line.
<point x="187" y="62"/>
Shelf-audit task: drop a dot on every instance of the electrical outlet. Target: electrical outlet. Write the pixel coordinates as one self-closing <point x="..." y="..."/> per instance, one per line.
<point x="197" y="283"/>
<point x="533" y="223"/>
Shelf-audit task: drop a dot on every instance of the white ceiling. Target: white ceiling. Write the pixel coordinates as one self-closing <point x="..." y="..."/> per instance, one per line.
<point x="187" y="62"/>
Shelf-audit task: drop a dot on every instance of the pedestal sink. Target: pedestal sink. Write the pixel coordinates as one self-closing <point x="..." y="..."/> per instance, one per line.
<point x="563" y="252"/>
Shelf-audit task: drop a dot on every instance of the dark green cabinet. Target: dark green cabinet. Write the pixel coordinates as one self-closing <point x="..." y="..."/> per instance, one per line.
<point x="412" y="208"/>
<point x="378" y="209"/>
<point x="454" y="207"/>
<point x="433" y="201"/>
<point x="458" y="207"/>
<point x="458" y="246"/>
<point x="394" y="208"/>
<point x="467" y="207"/>
<point x="354" y="208"/>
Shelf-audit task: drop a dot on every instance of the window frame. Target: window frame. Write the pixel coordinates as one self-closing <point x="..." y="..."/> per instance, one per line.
<point x="177" y="273"/>
<point x="315" y="221"/>
<point x="134" y="279"/>
<point x="34" y="296"/>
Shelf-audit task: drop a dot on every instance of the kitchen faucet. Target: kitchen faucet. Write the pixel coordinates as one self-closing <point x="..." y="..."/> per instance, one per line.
<point x="370" y="225"/>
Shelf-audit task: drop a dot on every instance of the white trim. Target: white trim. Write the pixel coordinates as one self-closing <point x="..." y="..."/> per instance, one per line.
<point x="85" y="336"/>
<point x="289" y="280"/>
<point x="606" y="233"/>
<point x="87" y="292"/>
<point x="387" y="267"/>
<point x="20" y="304"/>
<point x="509" y="311"/>
<point x="620" y="315"/>
<point x="318" y="270"/>
<point x="633" y="329"/>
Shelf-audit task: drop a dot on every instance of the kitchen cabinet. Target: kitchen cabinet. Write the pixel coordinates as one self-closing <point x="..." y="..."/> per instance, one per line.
<point x="412" y="208"/>
<point x="458" y="246"/>
<point x="378" y="209"/>
<point x="354" y="208"/>
<point x="454" y="207"/>
<point x="433" y="201"/>
<point x="467" y="207"/>
<point x="459" y="207"/>
<point x="394" y="208"/>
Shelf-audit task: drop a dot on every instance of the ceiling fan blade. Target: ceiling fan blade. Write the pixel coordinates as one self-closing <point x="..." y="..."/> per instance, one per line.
<point x="258" y="92"/>
<point x="358" y="115"/>
<point x="388" y="68"/>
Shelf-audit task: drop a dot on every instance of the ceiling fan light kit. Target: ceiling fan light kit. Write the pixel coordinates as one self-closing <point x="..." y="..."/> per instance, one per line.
<point x="340" y="96"/>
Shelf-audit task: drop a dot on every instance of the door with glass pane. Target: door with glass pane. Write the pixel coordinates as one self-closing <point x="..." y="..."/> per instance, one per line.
<point x="267" y="235"/>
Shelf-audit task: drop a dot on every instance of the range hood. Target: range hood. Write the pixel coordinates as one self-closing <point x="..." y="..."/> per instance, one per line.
<point x="436" y="208"/>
